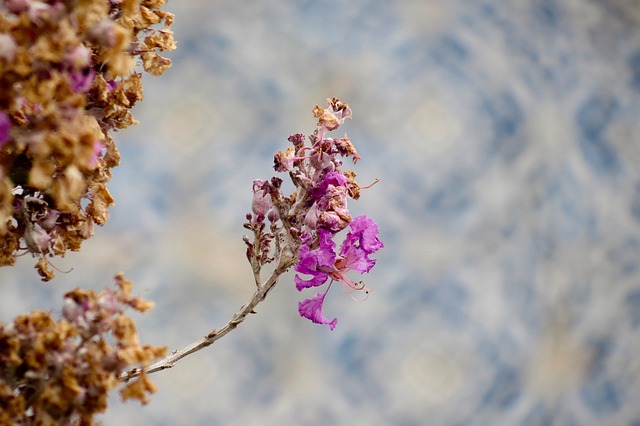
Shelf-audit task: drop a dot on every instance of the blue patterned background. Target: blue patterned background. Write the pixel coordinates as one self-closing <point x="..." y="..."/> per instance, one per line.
<point x="506" y="138"/>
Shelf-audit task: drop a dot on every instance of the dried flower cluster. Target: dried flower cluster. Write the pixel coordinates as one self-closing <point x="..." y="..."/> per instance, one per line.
<point x="68" y="79"/>
<point x="306" y="222"/>
<point x="60" y="372"/>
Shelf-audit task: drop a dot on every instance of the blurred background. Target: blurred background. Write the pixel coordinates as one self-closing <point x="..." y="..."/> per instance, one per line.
<point x="506" y="138"/>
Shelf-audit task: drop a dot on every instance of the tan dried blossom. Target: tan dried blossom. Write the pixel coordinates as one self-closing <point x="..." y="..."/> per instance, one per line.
<point x="68" y="79"/>
<point x="61" y="371"/>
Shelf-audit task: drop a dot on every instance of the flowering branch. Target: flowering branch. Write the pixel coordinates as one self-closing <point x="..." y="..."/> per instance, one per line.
<point x="69" y="80"/>
<point x="302" y="227"/>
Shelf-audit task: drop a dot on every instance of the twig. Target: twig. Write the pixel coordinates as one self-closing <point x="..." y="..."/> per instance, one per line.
<point x="286" y="261"/>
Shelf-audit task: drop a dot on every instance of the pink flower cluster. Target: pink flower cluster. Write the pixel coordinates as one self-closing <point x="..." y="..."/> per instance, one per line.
<point x="323" y="263"/>
<point x="307" y="221"/>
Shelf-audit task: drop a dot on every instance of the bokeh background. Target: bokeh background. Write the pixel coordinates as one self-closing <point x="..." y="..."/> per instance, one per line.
<point x="507" y="141"/>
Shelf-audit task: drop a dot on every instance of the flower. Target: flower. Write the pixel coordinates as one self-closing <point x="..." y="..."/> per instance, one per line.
<point x="334" y="116"/>
<point x="261" y="199"/>
<point x="312" y="309"/>
<point x="262" y="204"/>
<point x="75" y="361"/>
<point x="330" y="208"/>
<point x="297" y="140"/>
<point x="283" y="161"/>
<point x="305" y="223"/>
<point x="323" y="263"/>
<point x="360" y="242"/>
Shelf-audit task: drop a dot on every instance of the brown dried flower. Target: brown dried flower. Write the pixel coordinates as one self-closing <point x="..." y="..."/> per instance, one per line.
<point x="60" y="372"/>
<point x="67" y="81"/>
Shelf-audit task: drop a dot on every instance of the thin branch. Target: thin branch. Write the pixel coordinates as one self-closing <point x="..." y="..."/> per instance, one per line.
<point x="286" y="261"/>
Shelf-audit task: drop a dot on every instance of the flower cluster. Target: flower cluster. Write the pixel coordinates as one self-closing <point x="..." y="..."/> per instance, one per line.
<point x="60" y="372"/>
<point x="67" y="81"/>
<point x="304" y="224"/>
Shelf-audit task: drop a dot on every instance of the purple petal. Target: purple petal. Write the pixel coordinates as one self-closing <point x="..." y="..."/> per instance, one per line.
<point x="312" y="309"/>
<point x="335" y="179"/>
<point x="358" y="260"/>
<point x="363" y="234"/>
<point x="316" y="263"/>
<point x="317" y="279"/>
<point x="111" y="85"/>
<point x="324" y="256"/>
<point x="326" y="252"/>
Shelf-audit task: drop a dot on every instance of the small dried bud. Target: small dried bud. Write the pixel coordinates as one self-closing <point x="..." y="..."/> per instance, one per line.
<point x="261" y="202"/>
<point x="297" y="140"/>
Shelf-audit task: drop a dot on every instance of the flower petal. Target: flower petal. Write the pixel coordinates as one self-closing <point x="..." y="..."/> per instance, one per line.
<point x="316" y="263"/>
<point x="324" y="256"/>
<point x="312" y="309"/>
<point x="358" y="260"/>
<point x="363" y="233"/>
<point x="318" y="278"/>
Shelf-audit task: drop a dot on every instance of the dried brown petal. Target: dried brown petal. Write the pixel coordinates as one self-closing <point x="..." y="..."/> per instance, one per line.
<point x="125" y="331"/>
<point x="100" y="202"/>
<point x="138" y="389"/>
<point x="123" y="284"/>
<point x="44" y="270"/>
<point x="154" y="63"/>
<point x="148" y="17"/>
<point x="352" y="185"/>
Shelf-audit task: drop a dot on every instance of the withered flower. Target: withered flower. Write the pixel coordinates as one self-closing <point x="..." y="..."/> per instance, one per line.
<point x="68" y="80"/>
<point x="61" y="371"/>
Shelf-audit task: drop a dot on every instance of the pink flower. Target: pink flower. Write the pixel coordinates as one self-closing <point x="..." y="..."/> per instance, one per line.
<point x="36" y="238"/>
<point x="330" y="208"/>
<point x="283" y="161"/>
<point x="308" y="219"/>
<point x="322" y="263"/>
